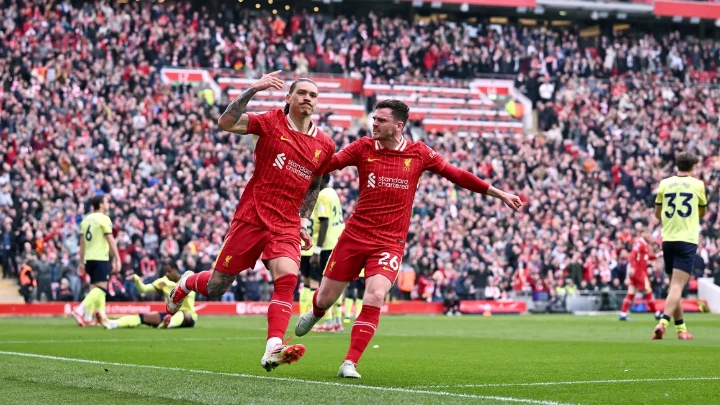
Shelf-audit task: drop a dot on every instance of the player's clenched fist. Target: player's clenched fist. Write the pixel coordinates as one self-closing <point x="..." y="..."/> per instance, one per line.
<point x="269" y="80"/>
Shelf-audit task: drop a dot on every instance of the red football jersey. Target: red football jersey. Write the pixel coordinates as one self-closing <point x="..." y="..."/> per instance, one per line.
<point x="388" y="180"/>
<point x="285" y="162"/>
<point x="639" y="256"/>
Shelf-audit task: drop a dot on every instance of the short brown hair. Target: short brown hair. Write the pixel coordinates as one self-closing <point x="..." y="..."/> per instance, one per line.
<point x="685" y="161"/>
<point x="96" y="201"/>
<point x="400" y="110"/>
<point x="286" y="110"/>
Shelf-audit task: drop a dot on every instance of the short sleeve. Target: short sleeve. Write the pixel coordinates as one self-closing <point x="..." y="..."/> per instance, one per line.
<point x="432" y="160"/>
<point x="702" y="199"/>
<point x="660" y="193"/>
<point x="323" y="206"/>
<point x="106" y="225"/>
<point x="261" y="124"/>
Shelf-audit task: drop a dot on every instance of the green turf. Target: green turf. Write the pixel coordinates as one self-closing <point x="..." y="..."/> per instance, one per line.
<point x="430" y="360"/>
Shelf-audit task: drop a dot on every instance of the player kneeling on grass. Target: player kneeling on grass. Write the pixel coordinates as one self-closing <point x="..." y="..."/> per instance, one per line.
<point x="680" y="203"/>
<point x="184" y="318"/>
<point x="389" y="168"/>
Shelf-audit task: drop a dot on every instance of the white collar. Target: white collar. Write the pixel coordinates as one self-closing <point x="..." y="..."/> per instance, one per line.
<point x="312" y="131"/>
<point x="399" y="147"/>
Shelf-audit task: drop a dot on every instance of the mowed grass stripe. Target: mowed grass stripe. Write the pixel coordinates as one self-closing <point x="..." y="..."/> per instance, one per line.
<point x="288" y="380"/>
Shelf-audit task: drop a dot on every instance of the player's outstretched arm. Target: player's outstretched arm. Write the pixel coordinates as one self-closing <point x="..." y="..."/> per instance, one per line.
<point x="471" y="182"/>
<point x="142" y="287"/>
<point x="234" y="118"/>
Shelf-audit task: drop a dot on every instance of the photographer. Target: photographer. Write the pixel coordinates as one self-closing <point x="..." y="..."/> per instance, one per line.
<point x="451" y="301"/>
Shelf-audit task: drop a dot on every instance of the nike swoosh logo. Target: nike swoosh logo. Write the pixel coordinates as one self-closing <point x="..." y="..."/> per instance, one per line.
<point x="287" y="312"/>
<point x="282" y="138"/>
<point x="364" y="331"/>
<point x="372" y="160"/>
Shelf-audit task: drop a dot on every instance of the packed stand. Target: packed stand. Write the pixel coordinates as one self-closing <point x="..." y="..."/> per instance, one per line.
<point x="83" y="111"/>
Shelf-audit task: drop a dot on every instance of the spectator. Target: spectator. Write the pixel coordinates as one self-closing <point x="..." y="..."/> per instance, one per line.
<point x="63" y="292"/>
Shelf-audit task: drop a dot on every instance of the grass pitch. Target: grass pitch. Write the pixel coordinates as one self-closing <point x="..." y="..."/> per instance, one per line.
<point x="535" y="359"/>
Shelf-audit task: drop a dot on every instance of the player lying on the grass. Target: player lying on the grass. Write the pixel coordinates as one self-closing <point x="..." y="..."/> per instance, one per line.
<point x="389" y="168"/>
<point x="290" y="157"/>
<point x="637" y="278"/>
<point x="184" y="318"/>
<point x="679" y="204"/>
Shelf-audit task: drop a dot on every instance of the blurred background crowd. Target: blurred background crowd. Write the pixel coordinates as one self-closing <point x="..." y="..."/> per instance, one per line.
<point x="83" y="111"/>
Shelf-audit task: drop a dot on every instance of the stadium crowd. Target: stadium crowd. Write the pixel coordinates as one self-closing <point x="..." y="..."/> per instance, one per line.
<point x="83" y="111"/>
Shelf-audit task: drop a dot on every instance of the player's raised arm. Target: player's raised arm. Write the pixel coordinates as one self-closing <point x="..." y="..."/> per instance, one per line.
<point x="469" y="181"/>
<point x="234" y="119"/>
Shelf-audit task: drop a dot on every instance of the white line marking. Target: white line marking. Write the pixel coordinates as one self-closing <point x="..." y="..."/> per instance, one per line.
<point x="537" y="384"/>
<point x="287" y="379"/>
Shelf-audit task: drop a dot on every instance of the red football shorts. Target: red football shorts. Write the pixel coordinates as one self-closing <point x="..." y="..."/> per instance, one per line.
<point x="640" y="284"/>
<point x="350" y="256"/>
<point x="246" y="242"/>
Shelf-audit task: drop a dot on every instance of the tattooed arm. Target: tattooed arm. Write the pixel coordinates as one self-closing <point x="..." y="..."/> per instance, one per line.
<point x="311" y="197"/>
<point x="234" y="118"/>
<point x="306" y="209"/>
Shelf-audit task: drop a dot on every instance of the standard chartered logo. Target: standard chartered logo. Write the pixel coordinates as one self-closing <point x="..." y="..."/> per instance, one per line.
<point x="282" y="162"/>
<point x="389" y="182"/>
<point x="279" y="160"/>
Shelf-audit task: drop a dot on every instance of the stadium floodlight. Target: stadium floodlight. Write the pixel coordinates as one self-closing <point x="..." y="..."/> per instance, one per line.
<point x="522" y="10"/>
<point x="622" y="16"/>
<point x="539" y="10"/>
<point x="436" y="4"/>
<point x="464" y="7"/>
<point x="417" y="3"/>
<point x="695" y="20"/>
<point x="594" y="15"/>
<point x="717" y="23"/>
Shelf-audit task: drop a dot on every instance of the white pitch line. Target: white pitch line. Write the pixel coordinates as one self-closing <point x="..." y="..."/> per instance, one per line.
<point x="287" y="379"/>
<point x="537" y="384"/>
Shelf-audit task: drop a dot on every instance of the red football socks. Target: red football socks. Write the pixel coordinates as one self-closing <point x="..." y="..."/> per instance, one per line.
<point x="650" y="302"/>
<point x="198" y="282"/>
<point x="280" y="308"/>
<point x="626" y="303"/>
<point x="363" y="330"/>
<point x="318" y="312"/>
